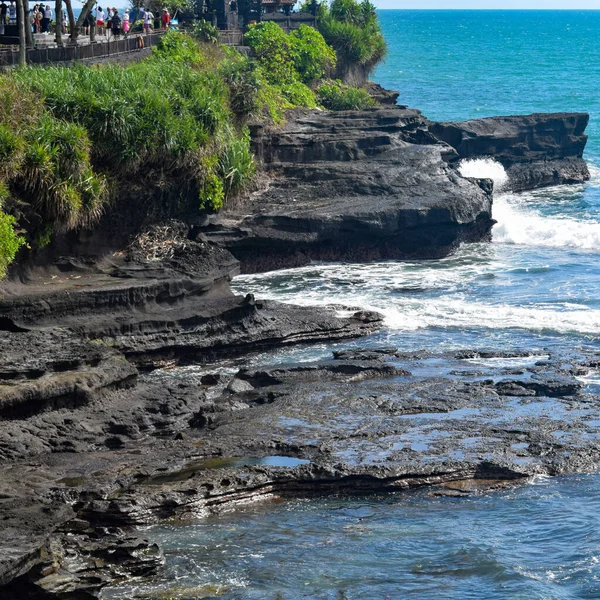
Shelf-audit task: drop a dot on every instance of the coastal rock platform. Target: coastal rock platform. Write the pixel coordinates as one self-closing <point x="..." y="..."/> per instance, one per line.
<point x="536" y="150"/>
<point x="369" y="420"/>
<point x="382" y="184"/>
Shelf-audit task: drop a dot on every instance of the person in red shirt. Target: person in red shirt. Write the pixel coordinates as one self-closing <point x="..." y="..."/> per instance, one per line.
<point x="166" y="18"/>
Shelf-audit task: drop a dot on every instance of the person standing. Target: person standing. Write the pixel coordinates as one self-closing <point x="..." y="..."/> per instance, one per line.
<point x="165" y="19"/>
<point x="115" y="23"/>
<point x="100" y="20"/>
<point x="12" y="13"/>
<point x="3" y="13"/>
<point x="108" y="20"/>
<point x="47" y="19"/>
<point x="148" y="18"/>
<point x="126" y="22"/>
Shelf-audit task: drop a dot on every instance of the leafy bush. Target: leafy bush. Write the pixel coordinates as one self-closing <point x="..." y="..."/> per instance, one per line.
<point x="352" y="29"/>
<point x="10" y="242"/>
<point x="313" y="58"/>
<point x="205" y="32"/>
<point x="244" y="82"/>
<point x="334" y="95"/>
<point x="273" y="50"/>
<point x="299" y="94"/>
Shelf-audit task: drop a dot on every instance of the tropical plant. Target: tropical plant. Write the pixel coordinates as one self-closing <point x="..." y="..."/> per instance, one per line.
<point x="353" y="30"/>
<point x="334" y="95"/>
<point x="313" y="58"/>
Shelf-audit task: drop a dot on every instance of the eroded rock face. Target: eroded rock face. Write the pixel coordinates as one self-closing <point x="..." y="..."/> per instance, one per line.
<point x="360" y="185"/>
<point x="536" y="150"/>
<point x="156" y="305"/>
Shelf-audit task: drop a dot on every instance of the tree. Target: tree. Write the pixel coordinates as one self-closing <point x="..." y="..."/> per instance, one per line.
<point x="72" y="23"/>
<point x="85" y="11"/>
<point x="22" y="35"/>
<point x="58" y="20"/>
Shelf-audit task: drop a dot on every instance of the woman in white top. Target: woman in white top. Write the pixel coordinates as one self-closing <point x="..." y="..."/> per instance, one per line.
<point x="148" y="21"/>
<point x="100" y="21"/>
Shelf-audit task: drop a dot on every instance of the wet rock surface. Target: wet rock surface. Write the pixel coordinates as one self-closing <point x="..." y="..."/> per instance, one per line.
<point x="536" y="150"/>
<point x="182" y="443"/>
<point x="379" y="184"/>
<point x="355" y="185"/>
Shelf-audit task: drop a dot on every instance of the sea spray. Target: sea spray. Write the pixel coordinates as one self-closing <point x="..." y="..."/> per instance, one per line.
<point x="520" y="224"/>
<point x="485" y="168"/>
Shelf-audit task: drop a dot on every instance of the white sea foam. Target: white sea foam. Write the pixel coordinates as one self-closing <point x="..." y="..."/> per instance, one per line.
<point x="485" y="168"/>
<point x="375" y="287"/>
<point x="521" y="225"/>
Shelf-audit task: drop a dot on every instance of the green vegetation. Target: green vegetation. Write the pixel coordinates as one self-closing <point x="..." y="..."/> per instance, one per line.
<point x="168" y="133"/>
<point x="351" y="28"/>
<point x="334" y="95"/>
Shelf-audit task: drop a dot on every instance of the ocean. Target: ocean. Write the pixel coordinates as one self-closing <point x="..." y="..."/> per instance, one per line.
<point x="535" y="286"/>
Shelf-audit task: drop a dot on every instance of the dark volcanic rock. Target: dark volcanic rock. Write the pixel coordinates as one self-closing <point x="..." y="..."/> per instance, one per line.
<point x="353" y="186"/>
<point x="171" y="448"/>
<point x="167" y="299"/>
<point x="536" y="150"/>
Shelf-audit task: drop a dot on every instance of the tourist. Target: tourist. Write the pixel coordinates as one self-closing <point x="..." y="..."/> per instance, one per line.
<point x="100" y="20"/>
<point x="39" y="15"/>
<point x="115" y="23"/>
<point x="108" y="20"/>
<point x="86" y="25"/>
<point x="166" y="19"/>
<point x="12" y="13"/>
<point x="3" y="13"/>
<point x="31" y="19"/>
<point x="148" y="18"/>
<point x="126" y="22"/>
<point x="47" y="19"/>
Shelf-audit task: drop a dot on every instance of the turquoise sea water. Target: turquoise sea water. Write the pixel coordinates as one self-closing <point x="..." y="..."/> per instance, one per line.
<point x="537" y="285"/>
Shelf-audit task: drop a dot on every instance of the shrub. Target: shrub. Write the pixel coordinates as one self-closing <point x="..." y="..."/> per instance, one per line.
<point x="313" y="58"/>
<point x="273" y="50"/>
<point x="334" y="95"/>
<point x="352" y="29"/>
<point x="244" y="82"/>
<point x="236" y="165"/>
<point x="205" y="32"/>
<point x="299" y="94"/>
<point x="10" y="242"/>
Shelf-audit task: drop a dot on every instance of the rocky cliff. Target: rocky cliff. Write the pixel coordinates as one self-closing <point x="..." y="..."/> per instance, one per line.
<point x="360" y="185"/>
<point x="382" y="183"/>
<point x="95" y="441"/>
<point x="536" y="150"/>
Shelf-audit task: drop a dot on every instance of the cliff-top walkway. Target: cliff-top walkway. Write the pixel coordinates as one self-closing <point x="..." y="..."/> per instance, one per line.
<point x="46" y="49"/>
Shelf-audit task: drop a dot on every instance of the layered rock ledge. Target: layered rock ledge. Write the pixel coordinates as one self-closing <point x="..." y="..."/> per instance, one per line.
<point x="381" y="184"/>
<point x="358" y="186"/>
<point x="536" y="150"/>
<point x="180" y="446"/>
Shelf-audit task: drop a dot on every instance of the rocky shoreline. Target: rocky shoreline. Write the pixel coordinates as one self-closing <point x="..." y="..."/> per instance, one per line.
<point x="102" y="431"/>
